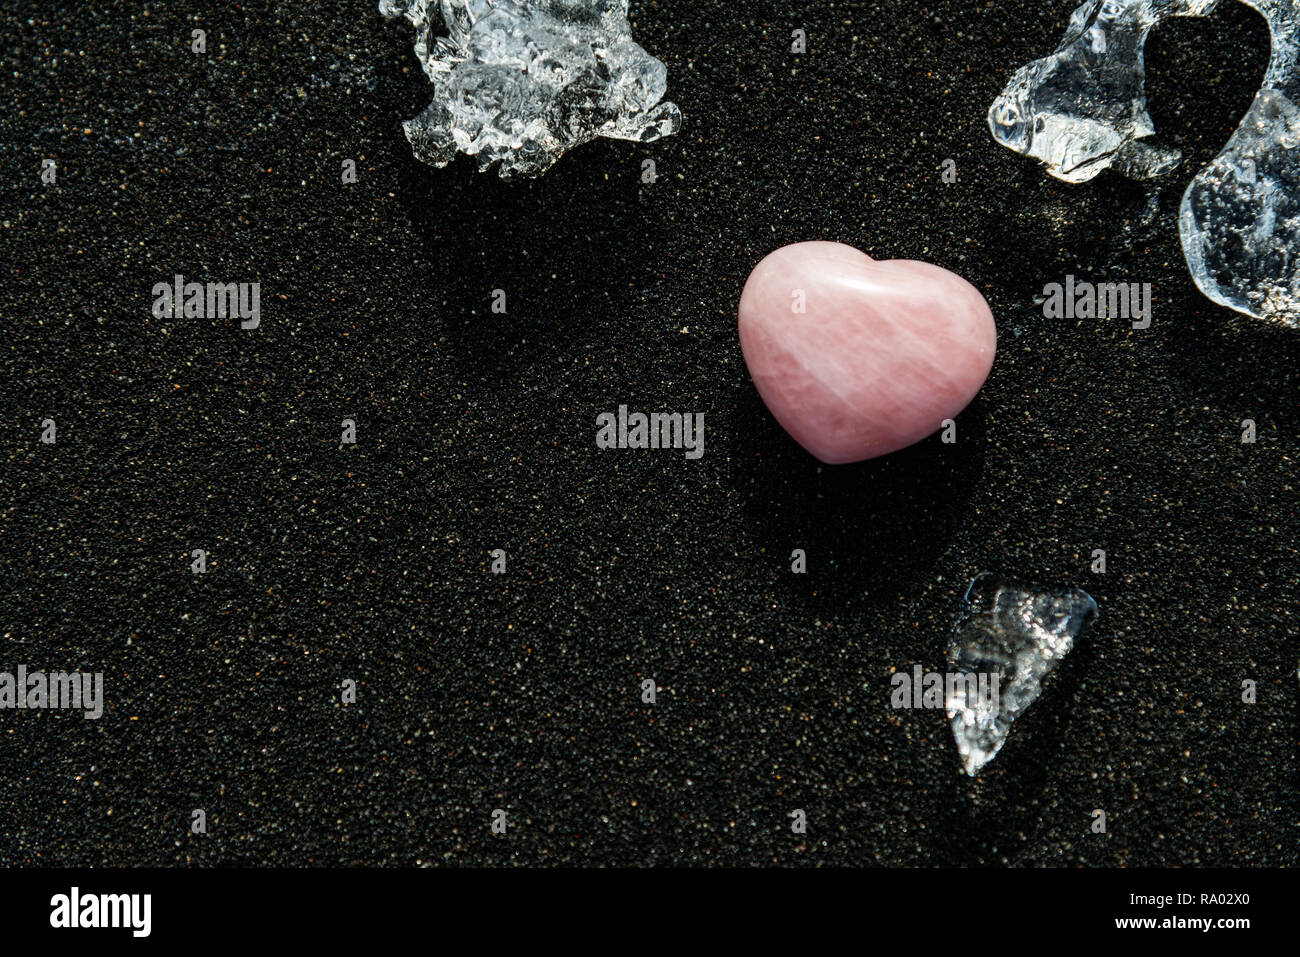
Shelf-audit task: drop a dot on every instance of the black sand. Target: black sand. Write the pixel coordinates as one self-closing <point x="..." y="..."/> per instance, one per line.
<point x="476" y="432"/>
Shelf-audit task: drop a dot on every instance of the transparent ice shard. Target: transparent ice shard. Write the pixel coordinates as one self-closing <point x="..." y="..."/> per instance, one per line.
<point x="1240" y="216"/>
<point x="519" y="82"/>
<point x="1015" y="635"/>
<point x="1083" y="109"/>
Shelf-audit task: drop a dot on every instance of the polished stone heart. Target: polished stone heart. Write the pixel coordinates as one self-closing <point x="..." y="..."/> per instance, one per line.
<point x="858" y="358"/>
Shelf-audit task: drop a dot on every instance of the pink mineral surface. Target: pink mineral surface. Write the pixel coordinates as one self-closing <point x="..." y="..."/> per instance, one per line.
<point x="857" y="357"/>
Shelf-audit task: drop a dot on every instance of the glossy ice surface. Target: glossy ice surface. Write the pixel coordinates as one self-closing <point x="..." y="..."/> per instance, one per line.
<point x="1083" y="109"/>
<point x="1018" y="633"/>
<point x="519" y="82"/>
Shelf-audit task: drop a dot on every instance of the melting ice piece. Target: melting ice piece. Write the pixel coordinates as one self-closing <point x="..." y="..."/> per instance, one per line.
<point x="1014" y="635"/>
<point x="1084" y="108"/>
<point x="521" y="81"/>
<point x="1240" y="216"/>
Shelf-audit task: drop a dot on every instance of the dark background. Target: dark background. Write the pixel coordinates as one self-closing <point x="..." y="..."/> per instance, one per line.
<point x="476" y="432"/>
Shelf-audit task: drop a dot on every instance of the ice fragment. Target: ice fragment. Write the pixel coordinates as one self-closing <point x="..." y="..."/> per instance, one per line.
<point x="521" y="81"/>
<point x="1015" y="635"/>
<point x="1083" y="109"/>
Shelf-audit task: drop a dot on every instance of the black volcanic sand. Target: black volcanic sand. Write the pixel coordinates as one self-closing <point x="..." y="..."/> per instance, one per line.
<point x="476" y="432"/>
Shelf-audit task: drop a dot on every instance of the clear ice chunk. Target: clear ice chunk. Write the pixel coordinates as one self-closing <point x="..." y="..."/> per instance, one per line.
<point x="519" y="82"/>
<point x="1014" y="636"/>
<point x="1240" y="216"/>
<point x="1083" y="109"/>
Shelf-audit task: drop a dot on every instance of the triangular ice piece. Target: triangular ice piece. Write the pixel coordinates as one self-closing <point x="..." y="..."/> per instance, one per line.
<point x="1008" y="638"/>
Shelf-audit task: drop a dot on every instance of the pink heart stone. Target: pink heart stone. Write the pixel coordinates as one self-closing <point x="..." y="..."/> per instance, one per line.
<point x="879" y="356"/>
